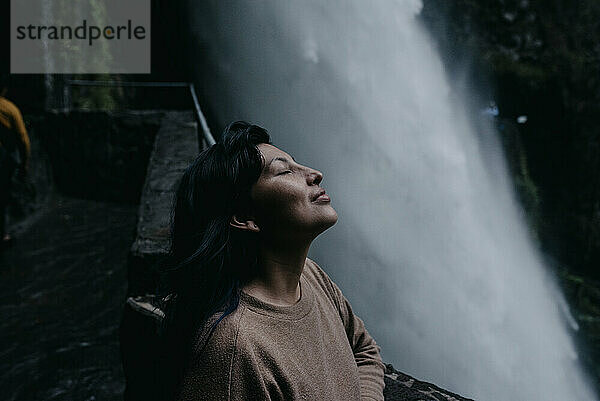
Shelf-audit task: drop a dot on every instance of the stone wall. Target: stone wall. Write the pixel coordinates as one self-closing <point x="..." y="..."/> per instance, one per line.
<point x="175" y="147"/>
<point x="98" y="154"/>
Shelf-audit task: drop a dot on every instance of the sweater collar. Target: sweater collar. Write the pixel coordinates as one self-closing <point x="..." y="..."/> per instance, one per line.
<point x="292" y="312"/>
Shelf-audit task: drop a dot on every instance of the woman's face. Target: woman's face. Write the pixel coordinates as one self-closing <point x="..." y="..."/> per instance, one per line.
<point x="287" y="198"/>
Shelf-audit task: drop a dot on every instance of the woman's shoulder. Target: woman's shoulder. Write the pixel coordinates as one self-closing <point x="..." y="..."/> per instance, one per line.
<point x="234" y="340"/>
<point x="212" y="358"/>
<point x="218" y="334"/>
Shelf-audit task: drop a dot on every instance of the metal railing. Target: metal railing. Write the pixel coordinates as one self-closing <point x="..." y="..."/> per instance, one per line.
<point x="205" y="137"/>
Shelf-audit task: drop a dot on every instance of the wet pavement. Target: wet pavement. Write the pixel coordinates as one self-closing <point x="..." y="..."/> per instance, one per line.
<point x="62" y="288"/>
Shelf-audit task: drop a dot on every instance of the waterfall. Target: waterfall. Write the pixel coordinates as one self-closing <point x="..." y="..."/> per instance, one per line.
<point x="430" y="247"/>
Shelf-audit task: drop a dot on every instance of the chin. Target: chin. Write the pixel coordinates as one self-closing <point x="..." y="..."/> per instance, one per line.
<point x="328" y="220"/>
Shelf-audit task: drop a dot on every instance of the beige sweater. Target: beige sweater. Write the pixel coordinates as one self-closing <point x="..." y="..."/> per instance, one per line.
<point x="316" y="349"/>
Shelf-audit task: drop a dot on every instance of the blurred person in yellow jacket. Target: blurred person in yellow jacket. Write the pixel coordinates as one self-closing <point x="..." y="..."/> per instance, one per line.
<point x="15" y="150"/>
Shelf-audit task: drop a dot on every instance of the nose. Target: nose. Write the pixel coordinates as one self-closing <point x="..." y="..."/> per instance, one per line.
<point x="315" y="177"/>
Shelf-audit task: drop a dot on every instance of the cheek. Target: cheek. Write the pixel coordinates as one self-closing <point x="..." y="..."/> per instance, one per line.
<point x="280" y="202"/>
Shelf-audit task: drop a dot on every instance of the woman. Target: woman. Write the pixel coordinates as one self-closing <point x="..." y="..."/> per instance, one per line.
<point x="253" y="317"/>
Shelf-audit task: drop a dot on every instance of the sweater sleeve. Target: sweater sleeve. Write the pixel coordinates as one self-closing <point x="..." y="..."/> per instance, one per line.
<point x="224" y="366"/>
<point x="209" y="374"/>
<point x="366" y="351"/>
<point x="371" y="368"/>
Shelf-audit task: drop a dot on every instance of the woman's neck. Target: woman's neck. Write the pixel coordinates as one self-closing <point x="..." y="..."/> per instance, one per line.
<point x="278" y="275"/>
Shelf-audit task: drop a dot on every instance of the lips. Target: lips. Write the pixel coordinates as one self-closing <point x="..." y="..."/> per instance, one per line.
<point x="319" y="193"/>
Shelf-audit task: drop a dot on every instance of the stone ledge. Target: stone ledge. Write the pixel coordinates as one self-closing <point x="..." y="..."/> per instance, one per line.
<point x="175" y="147"/>
<point x="400" y="386"/>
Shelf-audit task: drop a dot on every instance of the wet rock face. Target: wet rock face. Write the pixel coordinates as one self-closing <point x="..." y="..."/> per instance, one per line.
<point x="62" y="287"/>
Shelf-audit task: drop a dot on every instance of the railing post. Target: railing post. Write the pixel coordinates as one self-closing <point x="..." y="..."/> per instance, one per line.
<point x="210" y="140"/>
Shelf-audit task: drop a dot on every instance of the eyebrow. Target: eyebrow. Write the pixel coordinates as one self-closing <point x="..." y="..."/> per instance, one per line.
<point x="283" y="159"/>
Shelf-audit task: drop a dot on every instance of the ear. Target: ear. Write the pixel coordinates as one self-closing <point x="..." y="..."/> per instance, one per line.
<point x="245" y="223"/>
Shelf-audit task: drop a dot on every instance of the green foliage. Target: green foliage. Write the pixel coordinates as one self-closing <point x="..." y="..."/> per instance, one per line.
<point x="97" y="97"/>
<point x="583" y="295"/>
<point x="543" y="60"/>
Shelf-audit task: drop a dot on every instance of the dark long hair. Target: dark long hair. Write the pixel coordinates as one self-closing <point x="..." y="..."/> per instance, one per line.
<point x="209" y="260"/>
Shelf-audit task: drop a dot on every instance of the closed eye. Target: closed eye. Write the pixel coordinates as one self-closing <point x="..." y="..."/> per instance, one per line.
<point x="284" y="172"/>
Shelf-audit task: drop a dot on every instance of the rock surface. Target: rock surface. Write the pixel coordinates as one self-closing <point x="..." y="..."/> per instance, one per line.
<point x="400" y="386"/>
<point x="62" y="287"/>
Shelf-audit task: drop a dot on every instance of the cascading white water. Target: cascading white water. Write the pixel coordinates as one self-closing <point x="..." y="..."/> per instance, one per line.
<point x="430" y="246"/>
